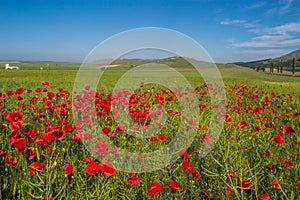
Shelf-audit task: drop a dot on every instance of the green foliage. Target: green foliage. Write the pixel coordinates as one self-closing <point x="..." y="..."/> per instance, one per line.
<point x="294" y="65"/>
<point x="281" y="66"/>
<point x="240" y="149"/>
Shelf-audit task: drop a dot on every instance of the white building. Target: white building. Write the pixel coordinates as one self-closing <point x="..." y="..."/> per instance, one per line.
<point x="11" y="67"/>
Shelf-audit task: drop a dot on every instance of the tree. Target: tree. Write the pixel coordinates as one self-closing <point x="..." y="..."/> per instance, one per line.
<point x="281" y="69"/>
<point x="294" y="65"/>
<point x="271" y="66"/>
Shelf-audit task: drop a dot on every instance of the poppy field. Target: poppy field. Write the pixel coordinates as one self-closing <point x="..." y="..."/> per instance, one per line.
<point x="42" y="155"/>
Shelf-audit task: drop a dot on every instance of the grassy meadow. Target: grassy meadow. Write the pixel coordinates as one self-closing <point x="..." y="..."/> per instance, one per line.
<point x="42" y="156"/>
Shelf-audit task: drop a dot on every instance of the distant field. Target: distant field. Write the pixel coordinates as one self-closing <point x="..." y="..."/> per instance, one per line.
<point x="63" y="74"/>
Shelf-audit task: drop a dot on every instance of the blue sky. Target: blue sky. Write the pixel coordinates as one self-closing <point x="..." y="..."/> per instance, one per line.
<point x="67" y="30"/>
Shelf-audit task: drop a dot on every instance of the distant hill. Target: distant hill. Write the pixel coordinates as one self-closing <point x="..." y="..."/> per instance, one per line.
<point x="286" y="60"/>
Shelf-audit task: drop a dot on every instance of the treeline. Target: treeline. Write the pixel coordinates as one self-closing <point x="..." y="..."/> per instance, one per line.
<point x="279" y="67"/>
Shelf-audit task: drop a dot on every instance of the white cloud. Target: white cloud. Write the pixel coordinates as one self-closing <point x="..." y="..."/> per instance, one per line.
<point x="230" y="40"/>
<point x="272" y="43"/>
<point x="281" y="7"/>
<point x="253" y="44"/>
<point x="259" y="54"/>
<point x="290" y="27"/>
<point x="255" y="5"/>
<point x="266" y="52"/>
<point x="232" y="21"/>
<point x="277" y="36"/>
<point x="240" y="22"/>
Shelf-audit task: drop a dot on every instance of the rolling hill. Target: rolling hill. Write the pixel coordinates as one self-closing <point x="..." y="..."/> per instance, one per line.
<point x="286" y="61"/>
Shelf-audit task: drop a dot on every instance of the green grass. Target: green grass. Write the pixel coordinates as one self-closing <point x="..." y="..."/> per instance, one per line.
<point x="239" y="149"/>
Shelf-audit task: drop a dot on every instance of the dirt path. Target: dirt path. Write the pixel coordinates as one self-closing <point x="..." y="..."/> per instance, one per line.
<point x="267" y="70"/>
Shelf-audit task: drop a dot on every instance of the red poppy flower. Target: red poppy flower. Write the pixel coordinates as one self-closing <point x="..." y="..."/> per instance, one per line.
<point x="244" y="183"/>
<point x="289" y="130"/>
<point x="19" y="143"/>
<point x="257" y="127"/>
<point x="185" y="164"/>
<point x="109" y="170"/>
<point x="19" y="91"/>
<point x="101" y="144"/>
<point x="276" y="183"/>
<point x="3" y="152"/>
<point x="15" y="125"/>
<point x="49" y="136"/>
<point x="228" y="118"/>
<point x="134" y="179"/>
<point x="278" y="139"/>
<point x="114" y="151"/>
<point x="205" y="192"/>
<point x="173" y="185"/>
<point x="190" y="169"/>
<point x="76" y="137"/>
<point x="162" y="138"/>
<point x="184" y="153"/>
<point x="88" y="160"/>
<point x="263" y="197"/>
<point x="105" y="130"/>
<point x="38" y="90"/>
<point x="11" y="160"/>
<point x="45" y="83"/>
<point x="196" y="175"/>
<point x="154" y="188"/>
<point x="68" y="168"/>
<point x="50" y="95"/>
<point x="31" y="153"/>
<point x="47" y="198"/>
<point x="140" y="157"/>
<point x="93" y="168"/>
<point x="42" y="142"/>
<point x="153" y="138"/>
<point x="298" y="184"/>
<point x="230" y="174"/>
<point x="69" y="128"/>
<point x="35" y="166"/>
<point x="228" y="190"/>
<point x="206" y="137"/>
<point x="288" y="163"/>
<point x="14" y="116"/>
<point x="270" y="166"/>
<point x="242" y="124"/>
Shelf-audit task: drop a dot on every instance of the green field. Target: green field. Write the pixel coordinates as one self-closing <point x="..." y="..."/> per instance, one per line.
<point x="249" y="159"/>
<point x="62" y="74"/>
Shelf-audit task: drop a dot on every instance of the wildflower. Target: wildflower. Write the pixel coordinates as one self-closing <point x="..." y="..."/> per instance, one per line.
<point x="45" y="83"/>
<point x="244" y="183"/>
<point x="205" y="192"/>
<point x="278" y="139"/>
<point x="206" y="137"/>
<point x="263" y="197"/>
<point x="68" y="168"/>
<point x="133" y="179"/>
<point x="93" y="168"/>
<point x="230" y="174"/>
<point x="35" y="167"/>
<point x="173" y="185"/>
<point x="154" y="188"/>
<point x="11" y="160"/>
